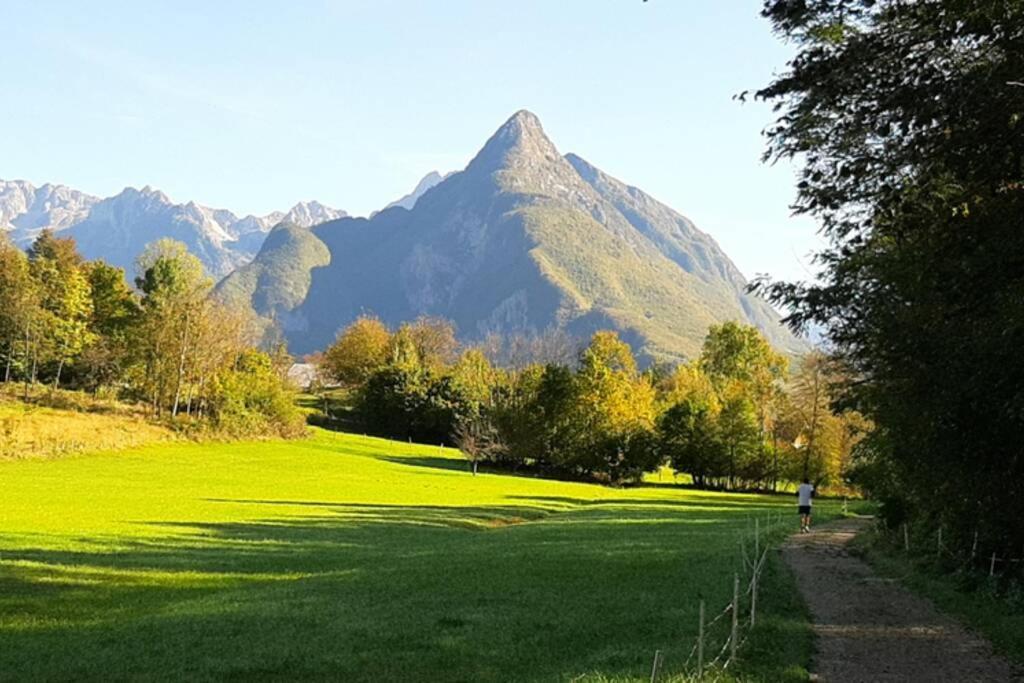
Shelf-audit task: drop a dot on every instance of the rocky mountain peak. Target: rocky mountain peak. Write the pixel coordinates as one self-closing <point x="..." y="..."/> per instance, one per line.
<point x="519" y="142"/>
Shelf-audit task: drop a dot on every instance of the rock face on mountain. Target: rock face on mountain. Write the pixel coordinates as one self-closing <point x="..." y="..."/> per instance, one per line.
<point x="408" y="201"/>
<point x="118" y="228"/>
<point x="522" y="240"/>
<point x="26" y="210"/>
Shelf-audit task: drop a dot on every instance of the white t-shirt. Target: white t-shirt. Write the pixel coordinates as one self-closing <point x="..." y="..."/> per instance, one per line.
<point x="803" y="494"/>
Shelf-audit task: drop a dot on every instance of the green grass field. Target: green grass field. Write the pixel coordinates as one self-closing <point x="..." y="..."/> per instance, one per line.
<point x="352" y="558"/>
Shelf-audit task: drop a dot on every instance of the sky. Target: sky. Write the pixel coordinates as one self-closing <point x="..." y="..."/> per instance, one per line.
<point x="253" y="106"/>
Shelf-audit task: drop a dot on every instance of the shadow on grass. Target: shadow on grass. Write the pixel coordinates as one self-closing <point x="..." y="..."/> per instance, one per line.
<point x="450" y="464"/>
<point x="706" y="504"/>
<point x="368" y="592"/>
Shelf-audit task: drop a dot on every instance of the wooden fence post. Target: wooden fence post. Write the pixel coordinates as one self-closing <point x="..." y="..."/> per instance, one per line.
<point x="700" y="641"/>
<point x="992" y="567"/>
<point x="656" y="666"/>
<point x="757" y="541"/>
<point x="735" y="616"/>
<point x="753" y="594"/>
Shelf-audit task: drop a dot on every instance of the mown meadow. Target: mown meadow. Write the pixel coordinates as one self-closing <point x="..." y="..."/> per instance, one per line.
<point x="353" y="558"/>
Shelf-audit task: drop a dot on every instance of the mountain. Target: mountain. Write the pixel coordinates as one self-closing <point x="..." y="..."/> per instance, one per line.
<point x="278" y="279"/>
<point x="118" y="228"/>
<point x="25" y="210"/>
<point x="408" y="201"/>
<point x="523" y="240"/>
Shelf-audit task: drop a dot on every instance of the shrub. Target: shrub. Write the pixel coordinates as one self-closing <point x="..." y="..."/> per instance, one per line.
<point x="251" y="399"/>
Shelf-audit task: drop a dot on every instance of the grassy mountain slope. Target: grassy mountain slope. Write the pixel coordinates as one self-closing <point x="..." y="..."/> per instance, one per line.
<point x="278" y="279"/>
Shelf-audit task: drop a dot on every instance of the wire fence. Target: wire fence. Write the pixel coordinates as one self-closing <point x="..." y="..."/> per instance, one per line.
<point x="995" y="563"/>
<point x="722" y="631"/>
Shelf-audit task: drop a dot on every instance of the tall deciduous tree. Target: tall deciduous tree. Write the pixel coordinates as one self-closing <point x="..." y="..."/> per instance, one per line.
<point x="18" y="307"/>
<point x="65" y="298"/>
<point x="174" y="289"/>
<point x="360" y="350"/>
<point x="909" y="120"/>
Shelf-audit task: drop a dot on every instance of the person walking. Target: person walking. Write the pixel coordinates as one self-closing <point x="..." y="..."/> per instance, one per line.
<point x="804" y="495"/>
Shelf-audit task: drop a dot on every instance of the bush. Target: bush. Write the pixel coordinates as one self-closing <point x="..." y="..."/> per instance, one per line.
<point x="251" y="400"/>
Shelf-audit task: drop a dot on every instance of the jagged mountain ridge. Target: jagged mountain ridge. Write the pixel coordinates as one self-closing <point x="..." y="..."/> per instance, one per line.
<point x="118" y="228"/>
<point x="523" y="239"/>
<point x="409" y="201"/>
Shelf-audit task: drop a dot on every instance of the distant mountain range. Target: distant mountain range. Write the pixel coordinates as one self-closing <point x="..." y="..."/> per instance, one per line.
<point x="118" y="228"/>
<point x="523" y="240"/>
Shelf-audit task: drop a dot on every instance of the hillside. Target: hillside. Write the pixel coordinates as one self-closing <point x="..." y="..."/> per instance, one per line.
<point x="60" y="423"/>
<point x="277" y="281"/>
<point x="523" y="240"/>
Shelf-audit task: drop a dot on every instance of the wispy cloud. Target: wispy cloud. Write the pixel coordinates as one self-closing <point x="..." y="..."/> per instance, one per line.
<point x="161" y="80"/>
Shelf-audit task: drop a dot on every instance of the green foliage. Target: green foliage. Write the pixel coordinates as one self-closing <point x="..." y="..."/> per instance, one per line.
<point x="18" y="308"/>
<point x="740" y="353"/>
<point x="360" y="350"/>
<point x="688" y="437"/>
<point x="251" y="399"/>
<point x="602" y="420"/>
<point x="169" y="344"/>
<point x="909" y="120"/>
<point x="114" y="306"/>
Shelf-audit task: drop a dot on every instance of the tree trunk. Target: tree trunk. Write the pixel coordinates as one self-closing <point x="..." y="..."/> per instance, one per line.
<point x="27" y="347"/>
<point x="181" y="366"/>
<point x="60" y="368"/>
<point x="35" y="360"/>
<point x="10" y="354"/>
<point x="775" y="460"/>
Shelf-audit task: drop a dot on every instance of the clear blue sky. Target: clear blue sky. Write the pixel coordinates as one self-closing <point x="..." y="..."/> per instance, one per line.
<point x="252" y="106"/>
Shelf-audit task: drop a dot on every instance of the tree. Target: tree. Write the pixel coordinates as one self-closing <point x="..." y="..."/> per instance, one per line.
<point x="250" y="397"/>
<point x="435" y="341"/>
<point x="65" y="299"/>
<point x="478" y="440"/>
<point x="738" y="430"/>
<point x="810" y="403"/>
<point x="688" y="437"/>
<point x="360" y="350"/>
<point x="908" y="118"/>
<point x="174" y="288"/>
<point x="476" y="377"/>
<point x="115" y="307"/>
<point x="115" y="315"/>
<point x="741" y="363"/>
<point x="18" y="306"/>
<point x="612" y="405"/>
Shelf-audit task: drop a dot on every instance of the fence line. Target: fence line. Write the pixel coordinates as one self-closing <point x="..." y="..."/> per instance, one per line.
<point x="742" y="620"/>
<point x="971" y="558"/>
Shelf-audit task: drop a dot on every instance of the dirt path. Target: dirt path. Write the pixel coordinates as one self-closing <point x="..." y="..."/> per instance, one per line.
<point x="871" y="629"/>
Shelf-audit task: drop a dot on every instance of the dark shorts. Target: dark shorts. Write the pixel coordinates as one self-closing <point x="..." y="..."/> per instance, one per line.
<point x="804" y="509"/>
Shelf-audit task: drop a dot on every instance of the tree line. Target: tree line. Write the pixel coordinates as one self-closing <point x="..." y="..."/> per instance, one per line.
<point x="909" y="118"/>
<point x="733" y="418"/>
<point x="67" y="322"/>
